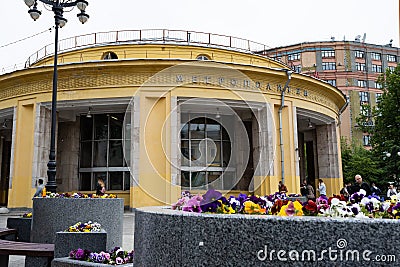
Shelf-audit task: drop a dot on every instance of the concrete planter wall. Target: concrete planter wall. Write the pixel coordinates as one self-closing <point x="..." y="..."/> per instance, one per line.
<point x="66" y="262"/>
<point x="66" y="241"/>
<point x="190" y="239"/>
<point x="52" y="215"/>
<point x="23" y="226"/>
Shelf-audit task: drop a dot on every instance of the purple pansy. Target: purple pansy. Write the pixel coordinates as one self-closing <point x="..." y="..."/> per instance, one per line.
<point x="79" y="254"/>
<point x="210" y="202"/>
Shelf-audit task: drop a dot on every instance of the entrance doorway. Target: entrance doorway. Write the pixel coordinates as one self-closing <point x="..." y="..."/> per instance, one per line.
<point x="310" y="166"/>
<point x="5" y="171"/>
<point x="308" y="160"/>
<point x="244" y="182"/>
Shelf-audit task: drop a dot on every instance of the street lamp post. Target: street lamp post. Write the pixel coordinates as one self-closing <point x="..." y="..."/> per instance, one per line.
<point x="57" y="7"/>
<point x="395" y="152"/>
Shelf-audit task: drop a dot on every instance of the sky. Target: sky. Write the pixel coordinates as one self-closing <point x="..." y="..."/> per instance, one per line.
<point x="273" y="23"/>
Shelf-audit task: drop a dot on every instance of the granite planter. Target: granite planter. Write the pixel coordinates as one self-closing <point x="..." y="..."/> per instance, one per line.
<point x="191" y="239"/>
<point x="67" y="241"/>
<point x="52" y="215"/>
<point x="23" y="227"/>
<point x="67" y="262"/>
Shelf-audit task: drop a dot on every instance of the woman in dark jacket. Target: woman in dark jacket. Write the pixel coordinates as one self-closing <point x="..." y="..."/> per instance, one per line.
<point x="101" y="187"/>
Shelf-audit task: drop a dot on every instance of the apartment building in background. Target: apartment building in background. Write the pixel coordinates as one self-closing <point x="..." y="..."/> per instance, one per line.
<point x="351" y="66"/>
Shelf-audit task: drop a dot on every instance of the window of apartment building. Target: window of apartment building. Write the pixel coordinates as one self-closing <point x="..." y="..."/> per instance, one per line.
<point x="359" y="54"/>
<point x="295" y="56"/>
<point x="378" y="97"/>
<point x="203" y="162"/>
<point x="391" y="68"/>
<point x="376" y="56"/>
<point x="101" y="152"/>
<point x="365" y="111"/>
<point x="328" y="53"/>
<point x="331" y="82"/>
<point x="362" y="83"/>
<point x="364" y="97"/>
<point x="360" y="66"/>
<point x="377" y="85"/>
<point x="366" y="140"/>
<point x="297" y="68"/>
<point x="328" y="66"/>
<point x="391" y="58"/>
<point x="376" y="68"/>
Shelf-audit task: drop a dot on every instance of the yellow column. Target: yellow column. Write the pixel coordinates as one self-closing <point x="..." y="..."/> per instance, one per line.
<point x="21" y="191"/>
<point x="154" y="169"/>
<point x="292" y="181"/>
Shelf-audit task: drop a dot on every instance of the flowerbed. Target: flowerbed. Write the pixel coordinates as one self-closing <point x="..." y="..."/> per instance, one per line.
<point x="77" y="195"/>
<point x="84" y="227"/>
<point x="116" y="256"/>
<point x="358" y="205"/>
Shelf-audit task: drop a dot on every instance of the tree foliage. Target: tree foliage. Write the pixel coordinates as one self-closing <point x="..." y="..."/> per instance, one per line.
<point x="385" y="129"/>
<point x="357" y="160"/>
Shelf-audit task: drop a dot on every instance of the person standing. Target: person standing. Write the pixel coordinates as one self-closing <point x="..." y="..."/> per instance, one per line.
<point x="282" y="188"/>
<point x="345" y="190"/>
<point x="359" y="184"/>
<point x="310" y="192"/>
<point x="375" y="190"/>
<point x="40" y="189"/>
<point x="303" y="188"/>
<point x="321" y="187"/>
<point x="391" y="191"/>
<point x="101" y="187"/>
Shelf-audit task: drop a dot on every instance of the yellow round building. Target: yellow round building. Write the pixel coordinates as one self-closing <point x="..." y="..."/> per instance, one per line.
<point x="158" y="112"/>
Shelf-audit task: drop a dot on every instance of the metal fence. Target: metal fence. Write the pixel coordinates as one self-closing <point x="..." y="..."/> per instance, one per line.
<point x="148" y="36"/>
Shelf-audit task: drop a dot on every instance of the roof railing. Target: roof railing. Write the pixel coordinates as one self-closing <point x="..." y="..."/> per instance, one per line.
<point x="148" y="36"/>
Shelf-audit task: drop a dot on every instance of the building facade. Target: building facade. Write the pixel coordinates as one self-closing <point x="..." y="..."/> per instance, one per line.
<point x="155" y="113"/>
<point x="352" y="66"/>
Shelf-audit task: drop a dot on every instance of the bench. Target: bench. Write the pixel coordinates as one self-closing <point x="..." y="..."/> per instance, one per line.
<point x="37" y="254"/>
<point x="7" y="233"/>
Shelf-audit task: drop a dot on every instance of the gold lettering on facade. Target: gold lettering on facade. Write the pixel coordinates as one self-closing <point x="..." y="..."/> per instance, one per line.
<point x="255" y="85"/>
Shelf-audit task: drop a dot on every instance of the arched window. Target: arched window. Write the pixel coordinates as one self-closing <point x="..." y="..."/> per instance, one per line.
<point x="109" y="55"/>
<point x="203" y="57"/>
<point x="205" y="155"/>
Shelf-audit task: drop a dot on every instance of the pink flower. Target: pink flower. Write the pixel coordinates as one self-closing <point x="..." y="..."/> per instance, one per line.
<point x="193" y="205"/>
<point x="106" y="255"/>
<point x="119" y="260"/>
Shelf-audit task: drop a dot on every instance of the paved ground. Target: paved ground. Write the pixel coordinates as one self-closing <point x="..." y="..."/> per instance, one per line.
<point x="129" y="217"/>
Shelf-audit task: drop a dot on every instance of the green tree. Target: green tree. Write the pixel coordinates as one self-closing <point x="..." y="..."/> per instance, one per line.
<point x="357" y="160"/>
<point x="385" y="129"/>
